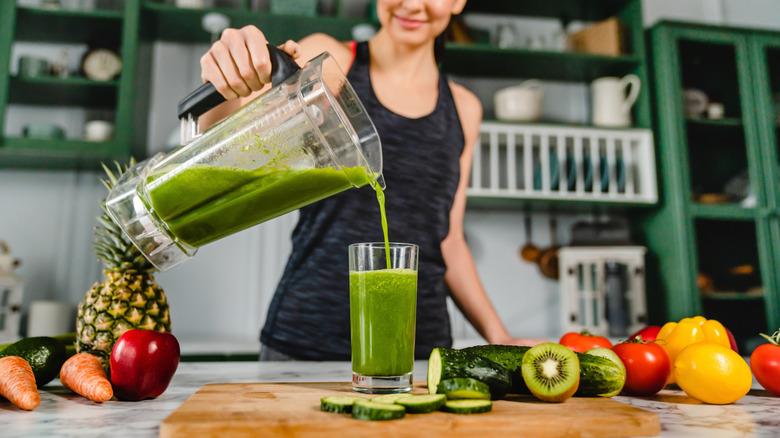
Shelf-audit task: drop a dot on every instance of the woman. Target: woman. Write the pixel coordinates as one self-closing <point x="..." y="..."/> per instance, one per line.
<point x="428" y="127"/>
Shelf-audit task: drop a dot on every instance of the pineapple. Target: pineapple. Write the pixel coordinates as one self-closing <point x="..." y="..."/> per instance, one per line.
<point x="128" y="299"/>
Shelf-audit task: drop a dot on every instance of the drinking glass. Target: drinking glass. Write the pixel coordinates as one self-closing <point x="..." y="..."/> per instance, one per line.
<point x="382" y="307"/>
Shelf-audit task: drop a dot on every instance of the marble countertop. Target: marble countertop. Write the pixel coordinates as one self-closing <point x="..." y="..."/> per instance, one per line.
<point x="64" y="414"/>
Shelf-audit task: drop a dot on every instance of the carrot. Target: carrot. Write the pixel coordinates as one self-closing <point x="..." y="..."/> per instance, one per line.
<point x="83" y="374"/>
<point x="17" y="383"/>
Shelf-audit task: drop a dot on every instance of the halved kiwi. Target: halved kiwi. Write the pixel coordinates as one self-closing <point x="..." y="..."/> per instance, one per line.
<point x="551" y="372"/>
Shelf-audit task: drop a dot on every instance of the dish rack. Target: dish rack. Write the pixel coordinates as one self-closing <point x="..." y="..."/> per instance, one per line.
<point x="530" y="161"/>
<point x="583" y="301"/>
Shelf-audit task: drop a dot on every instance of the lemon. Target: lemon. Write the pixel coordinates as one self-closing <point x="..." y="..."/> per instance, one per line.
<point x="712" y="373"/>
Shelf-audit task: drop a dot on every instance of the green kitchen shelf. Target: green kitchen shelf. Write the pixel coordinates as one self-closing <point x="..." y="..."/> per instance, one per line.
<point x="73" y="91"/>
<point x="173" y="24"/>
<point x="728" y="296"/>
<point x="729" y="122"/>
<point x="723" y="212"/>
<point x="489" y="60"/>
<point x="66" y="26"/>
<point x="57" y="154"/>
<point x="474" y="202"/>
<point x="63" y="147"/>
<point x="592" y="10"/>
<point x="78" y="13"/>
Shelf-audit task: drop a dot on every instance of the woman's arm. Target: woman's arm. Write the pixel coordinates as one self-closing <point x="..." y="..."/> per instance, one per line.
<point x="461" y="276"/>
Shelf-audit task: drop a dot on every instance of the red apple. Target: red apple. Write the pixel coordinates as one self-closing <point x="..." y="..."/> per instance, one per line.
<point x="143" y="363"/>
<point x="649" y="333"/>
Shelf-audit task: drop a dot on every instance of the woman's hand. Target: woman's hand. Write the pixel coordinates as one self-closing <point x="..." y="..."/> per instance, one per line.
<point x="239" y="64"/>
<point x="523" y="342"/>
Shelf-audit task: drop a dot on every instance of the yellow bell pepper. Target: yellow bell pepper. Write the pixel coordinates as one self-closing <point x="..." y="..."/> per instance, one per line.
<point x="674" y="336"/>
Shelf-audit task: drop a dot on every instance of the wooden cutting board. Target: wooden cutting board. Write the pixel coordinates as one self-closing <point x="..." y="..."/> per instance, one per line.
<point x="293" y="410"/>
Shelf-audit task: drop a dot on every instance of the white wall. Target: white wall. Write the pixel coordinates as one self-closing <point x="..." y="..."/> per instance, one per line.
<point x="47" y="217"/>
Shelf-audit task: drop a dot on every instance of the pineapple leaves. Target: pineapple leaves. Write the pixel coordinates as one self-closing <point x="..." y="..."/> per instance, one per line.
<point x="112" y="246"/>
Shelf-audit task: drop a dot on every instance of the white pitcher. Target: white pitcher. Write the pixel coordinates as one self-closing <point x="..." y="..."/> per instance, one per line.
<point x="611" y="104"/>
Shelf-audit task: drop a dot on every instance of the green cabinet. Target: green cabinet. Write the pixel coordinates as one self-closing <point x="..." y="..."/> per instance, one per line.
<point x="714" y="241"/>
<point x="136" y="25"/>
<point x="120" y="98"/>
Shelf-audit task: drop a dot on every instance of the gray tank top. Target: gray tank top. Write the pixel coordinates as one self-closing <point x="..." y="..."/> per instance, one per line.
<point x="308" y="317"/>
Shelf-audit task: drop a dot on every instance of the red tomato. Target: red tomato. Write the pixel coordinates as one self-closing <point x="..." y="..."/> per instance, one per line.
<point x="584" y="341"/>
<point x="765" y="364"/>
<point x="647" y="366"/>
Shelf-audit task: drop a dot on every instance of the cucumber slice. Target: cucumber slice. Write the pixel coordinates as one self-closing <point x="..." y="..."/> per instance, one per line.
<point x="389" y="398"/>
<point x="339" y="404"/>
<point x="364" y="409"/>
<point x="468" y="406"/>
<point x="463" y="388"/>
<point x="421" y="404"/>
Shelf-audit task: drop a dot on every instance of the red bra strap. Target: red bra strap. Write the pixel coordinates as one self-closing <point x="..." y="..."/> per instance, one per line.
<point x="353" y="47"/>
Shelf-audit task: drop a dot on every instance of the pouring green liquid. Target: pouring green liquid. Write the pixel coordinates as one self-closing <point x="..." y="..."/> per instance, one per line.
<point x="380" y="197"/>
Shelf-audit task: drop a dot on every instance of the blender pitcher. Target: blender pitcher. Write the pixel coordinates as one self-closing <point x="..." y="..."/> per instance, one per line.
<point x="306" y="138"/>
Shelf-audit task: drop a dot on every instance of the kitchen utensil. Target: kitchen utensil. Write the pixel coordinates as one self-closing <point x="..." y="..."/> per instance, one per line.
<point x="520" y="103"/>
<point x="529" y="252"/>
<point x="293" y="409"/>
<point x="611" y="104"/>
<point x="548" y="259"/>
<point x="306" y="138"/>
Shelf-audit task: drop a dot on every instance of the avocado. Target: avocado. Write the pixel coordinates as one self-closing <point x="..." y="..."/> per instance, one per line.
<point x="44" y="354"/>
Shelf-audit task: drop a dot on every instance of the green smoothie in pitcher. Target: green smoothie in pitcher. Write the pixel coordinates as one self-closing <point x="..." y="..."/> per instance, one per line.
<point x="382" y="315"/>
<point x="202" y="203"/>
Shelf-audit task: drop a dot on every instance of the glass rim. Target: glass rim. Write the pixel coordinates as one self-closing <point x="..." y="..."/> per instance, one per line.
<point x="382" y="245"/>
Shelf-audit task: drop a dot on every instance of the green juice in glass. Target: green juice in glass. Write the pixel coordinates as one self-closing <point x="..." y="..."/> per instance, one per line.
<point x="382" y="313"/>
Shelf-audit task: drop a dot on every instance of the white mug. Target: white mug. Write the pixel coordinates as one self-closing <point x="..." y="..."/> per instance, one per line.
<point x="49" y="318"/>
<point x="611" y="105"/>
<point x="98" y="130"/>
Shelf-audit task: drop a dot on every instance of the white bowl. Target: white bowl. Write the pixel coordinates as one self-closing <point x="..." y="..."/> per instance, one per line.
<point x="521" y="103"/>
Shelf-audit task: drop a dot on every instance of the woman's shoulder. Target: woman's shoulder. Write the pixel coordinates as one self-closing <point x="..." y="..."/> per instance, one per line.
<point x="469" y="109"/>
<point x="317" y="43"/>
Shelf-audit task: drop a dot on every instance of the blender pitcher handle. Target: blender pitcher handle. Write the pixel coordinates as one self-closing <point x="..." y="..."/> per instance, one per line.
<point x="207" y="97"/>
